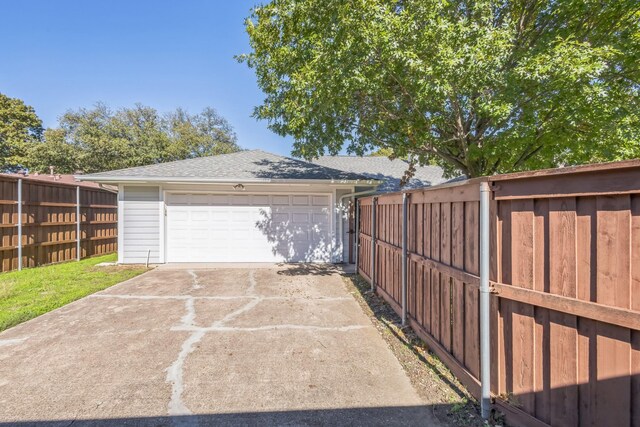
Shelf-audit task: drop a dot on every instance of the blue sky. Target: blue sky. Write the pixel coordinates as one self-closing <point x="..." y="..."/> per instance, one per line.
<point x="60" y="55"/>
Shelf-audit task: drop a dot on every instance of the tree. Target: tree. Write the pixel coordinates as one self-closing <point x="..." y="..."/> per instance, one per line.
<point x="19" y="127"/>
<point x="53" y="150"/>
<point x="204" y="134"/>
<point x="477" y="86"/>
<point x="100" y="139"/>
<point x="106" y="140"/>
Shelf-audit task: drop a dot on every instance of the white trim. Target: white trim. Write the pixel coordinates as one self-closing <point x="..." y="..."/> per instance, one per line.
<point x="162" y="224"/>
<point x="120" y="224"/>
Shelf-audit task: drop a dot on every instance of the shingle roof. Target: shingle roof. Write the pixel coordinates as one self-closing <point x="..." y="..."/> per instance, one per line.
<point x="243" y="165"/>
<point x="384" y="169"/>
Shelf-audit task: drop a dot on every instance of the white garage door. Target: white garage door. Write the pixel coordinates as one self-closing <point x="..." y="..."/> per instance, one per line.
<point x="248" y="228"/>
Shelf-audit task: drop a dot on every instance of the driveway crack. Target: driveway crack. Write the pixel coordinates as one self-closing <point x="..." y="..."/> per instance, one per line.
<point x="175" y="372"/>
<point x="196" y="284"/>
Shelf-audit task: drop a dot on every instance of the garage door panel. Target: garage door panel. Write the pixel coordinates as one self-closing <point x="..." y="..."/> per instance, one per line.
<point x="280" y="217"/>
<point x="300" y="218"/>
<point x="200" y="216"/>
<point x="242" y="200"/>
<point x="200" y="199"/>
<point x="320" y="201"/>
<point x="301" y="236"/>
<point x="300" y="200"/>
<point x="247" y="228"/>
<point x="280" y="200"/>
<point x="219" y="199"/>
<point x="260" y="200"/>
<point x="321" y="219"/>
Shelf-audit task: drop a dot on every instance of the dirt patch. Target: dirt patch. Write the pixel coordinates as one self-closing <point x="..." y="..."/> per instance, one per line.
<point x="452" y="404"/>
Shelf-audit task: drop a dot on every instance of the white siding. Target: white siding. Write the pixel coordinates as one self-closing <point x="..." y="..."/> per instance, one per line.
<point x="141" y="225"/>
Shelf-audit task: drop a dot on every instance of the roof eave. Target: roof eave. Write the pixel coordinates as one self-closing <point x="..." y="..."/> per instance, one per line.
<point x="142" y="179"/>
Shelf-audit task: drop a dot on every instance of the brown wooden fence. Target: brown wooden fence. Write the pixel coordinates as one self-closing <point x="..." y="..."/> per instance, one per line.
<point x="49" y="222"/>
<point x="565" y="277"/>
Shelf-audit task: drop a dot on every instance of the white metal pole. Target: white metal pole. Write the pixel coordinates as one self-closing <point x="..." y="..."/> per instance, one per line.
<point x="19" y="224"/>
<point x="374" y="202"/>
<point x="356" y="240"/>
<point x="485" y="331"/>
<point x="78" y="223"/>
<point x="405" y="199"/>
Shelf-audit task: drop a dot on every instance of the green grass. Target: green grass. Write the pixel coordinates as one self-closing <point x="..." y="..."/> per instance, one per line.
<point x="31" y="292"/>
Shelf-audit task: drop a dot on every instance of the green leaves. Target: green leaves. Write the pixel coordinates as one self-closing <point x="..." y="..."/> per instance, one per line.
<point x="478" y="87"/>
<point x="98" y="139"/>
<point x="19" y="127"/>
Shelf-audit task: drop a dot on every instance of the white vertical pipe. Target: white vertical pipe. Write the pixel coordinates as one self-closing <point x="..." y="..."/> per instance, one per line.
<point x="485" y="332"/>
<point x="405" y="199"/>
<point x="374" y="202"/>
<point x="78" y="219"/>
<point x="19" y="224"/>
<point x="356" y="243"/>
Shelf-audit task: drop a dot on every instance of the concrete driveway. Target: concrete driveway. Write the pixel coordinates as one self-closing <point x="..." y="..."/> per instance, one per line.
<point x="185" y="345"/>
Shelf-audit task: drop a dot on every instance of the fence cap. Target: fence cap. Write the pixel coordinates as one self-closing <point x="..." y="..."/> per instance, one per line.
<point x="594" y="167"/>
<point x="59" y="180"/>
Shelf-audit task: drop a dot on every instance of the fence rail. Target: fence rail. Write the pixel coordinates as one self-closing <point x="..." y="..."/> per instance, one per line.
<point x="53" y="222"/>
<point x="565" y="283"/>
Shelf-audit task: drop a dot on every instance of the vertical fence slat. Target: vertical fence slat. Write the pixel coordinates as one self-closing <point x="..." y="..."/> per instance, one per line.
<point x="471" y="306"/>
<point x="586" y="236"/>
<point x="457" y="298"/>
<point x="613" y="349"/>
<point x="541" y="350"/>
<point x="522" y="316"/>
<point x="563" y="327"/>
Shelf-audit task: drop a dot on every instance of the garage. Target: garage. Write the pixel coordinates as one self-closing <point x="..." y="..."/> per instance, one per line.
<point x="248" y="206"/>
<point x="248" y="227"/>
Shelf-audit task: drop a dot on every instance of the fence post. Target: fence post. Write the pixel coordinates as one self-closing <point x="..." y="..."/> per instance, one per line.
<point x="485" y="332"/>
<point x="374" y="202"/>
<point x="20" y="224"/>
<point x="405" y="200"/>
<point x="356" y="244"/>
<point x="78" y="225"/>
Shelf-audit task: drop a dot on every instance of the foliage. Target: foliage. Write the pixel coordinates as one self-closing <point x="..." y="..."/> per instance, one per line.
<point x="383" y="152"/>
<point x="19" y="127"/>
<point x="478" y="86"/>
<point x="98" y="139"/>
<point x="52" y="150"/>
<point x="34" y="291"/>
<point x="105" y="140"/>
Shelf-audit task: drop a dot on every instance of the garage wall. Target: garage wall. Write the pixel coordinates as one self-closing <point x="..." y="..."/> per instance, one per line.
<point x="141" y="225"/>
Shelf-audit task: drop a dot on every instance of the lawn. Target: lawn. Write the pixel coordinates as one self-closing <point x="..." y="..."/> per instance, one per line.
<point x="31" y="292"/>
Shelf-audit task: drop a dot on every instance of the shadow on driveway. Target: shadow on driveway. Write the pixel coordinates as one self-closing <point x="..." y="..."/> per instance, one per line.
<point x="383" y="416"/>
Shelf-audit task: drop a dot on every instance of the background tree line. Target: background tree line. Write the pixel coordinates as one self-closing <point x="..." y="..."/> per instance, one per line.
<point x="99" y="139"/>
